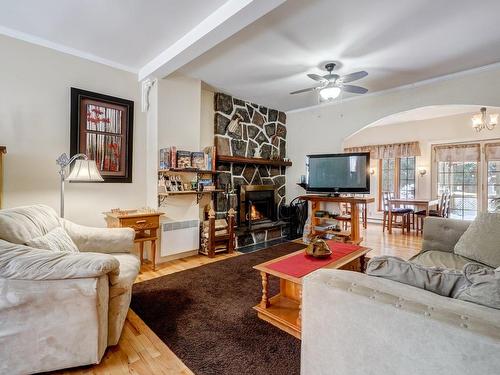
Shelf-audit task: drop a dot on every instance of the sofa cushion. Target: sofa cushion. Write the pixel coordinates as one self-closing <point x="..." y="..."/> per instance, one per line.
<point x="129" y="268"/>
<point x="483" y="286"/>
<point x="442" y="234"/>
<point x="440" y="259"/>
<point x="56" y="240"/>
<point x="443" y="281"/>
<point x="481" y="240"/>
<point x="21" y="224"/>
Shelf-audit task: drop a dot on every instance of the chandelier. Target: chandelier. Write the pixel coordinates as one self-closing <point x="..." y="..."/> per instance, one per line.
<point x="482" y="121"/>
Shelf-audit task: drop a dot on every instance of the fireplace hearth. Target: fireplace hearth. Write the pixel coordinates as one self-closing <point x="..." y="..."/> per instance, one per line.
<point x="257" y="205"/>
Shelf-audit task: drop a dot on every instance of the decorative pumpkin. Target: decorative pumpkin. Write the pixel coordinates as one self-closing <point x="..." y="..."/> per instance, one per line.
<point x="318" y="248"/>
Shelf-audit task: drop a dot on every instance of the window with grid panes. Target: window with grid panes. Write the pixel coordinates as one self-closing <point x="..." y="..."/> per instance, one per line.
<point x="407" y="177"/>
<point x="460" y="179"/>
<point x="493" y="185"/>
<point x="388" y="174"/>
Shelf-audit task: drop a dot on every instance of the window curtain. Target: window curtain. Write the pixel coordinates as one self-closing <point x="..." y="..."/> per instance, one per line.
<point x="458" y="152"/>
<point x="389" y="151"/>
<point x="492" y="151"/>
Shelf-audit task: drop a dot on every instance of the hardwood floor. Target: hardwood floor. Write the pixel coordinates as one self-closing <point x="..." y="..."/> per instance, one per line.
<point x="140" y="351"/>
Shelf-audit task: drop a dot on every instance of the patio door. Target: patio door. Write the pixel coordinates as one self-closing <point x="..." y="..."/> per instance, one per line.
<point x="471" y="173"/>
<point x="458" y="172"/>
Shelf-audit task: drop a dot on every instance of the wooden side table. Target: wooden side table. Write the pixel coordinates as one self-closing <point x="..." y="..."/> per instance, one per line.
<point x="145" y="224"/>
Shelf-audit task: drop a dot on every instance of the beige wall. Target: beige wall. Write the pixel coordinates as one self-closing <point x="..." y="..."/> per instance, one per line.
<point x="323" y="129"/>
<point x="428" y="132"/>
<point x="35" y="126"/>
<point x="207" y="118"/>
<point x="179" y="118"/>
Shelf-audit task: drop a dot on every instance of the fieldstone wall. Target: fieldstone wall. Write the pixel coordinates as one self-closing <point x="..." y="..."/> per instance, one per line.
<point x="262" y="133"/>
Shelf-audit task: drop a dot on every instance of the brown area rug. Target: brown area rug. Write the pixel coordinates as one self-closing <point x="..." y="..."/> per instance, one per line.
<point x="205" y="316"/>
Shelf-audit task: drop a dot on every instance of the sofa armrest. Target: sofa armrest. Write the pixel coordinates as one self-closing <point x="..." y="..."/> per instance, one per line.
<point x="100" y="240"/>
<point x="19" y="262"/>
<point x="442" y="234"/>
<point x="358" y="324"/>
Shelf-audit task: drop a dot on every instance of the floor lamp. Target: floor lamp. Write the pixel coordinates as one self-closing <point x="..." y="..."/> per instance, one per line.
<point x="84" y="170"/>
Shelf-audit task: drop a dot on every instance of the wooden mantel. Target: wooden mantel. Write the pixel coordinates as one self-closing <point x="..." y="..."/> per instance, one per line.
<point x="260" y="161"/>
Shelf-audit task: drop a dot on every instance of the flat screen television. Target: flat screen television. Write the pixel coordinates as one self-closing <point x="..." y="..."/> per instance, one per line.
<point x="338" y="173"/>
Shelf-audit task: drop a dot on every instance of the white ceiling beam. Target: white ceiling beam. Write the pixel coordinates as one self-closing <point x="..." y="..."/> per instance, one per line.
<point x="230" y="18"/>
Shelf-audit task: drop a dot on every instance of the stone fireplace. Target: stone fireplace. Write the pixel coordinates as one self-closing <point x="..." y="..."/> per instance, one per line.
<point x="255" y="190"/>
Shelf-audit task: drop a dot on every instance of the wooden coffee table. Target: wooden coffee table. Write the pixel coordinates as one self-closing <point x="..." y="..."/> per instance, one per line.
<point x="284" y="309"/>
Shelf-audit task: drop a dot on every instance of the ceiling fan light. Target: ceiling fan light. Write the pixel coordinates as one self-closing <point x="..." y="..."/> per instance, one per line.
<point x="494" y="119"/>
<point x="329" y="93"/>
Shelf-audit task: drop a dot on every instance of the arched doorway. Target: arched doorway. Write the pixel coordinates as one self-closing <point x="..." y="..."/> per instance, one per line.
<point x="473" y="179"/>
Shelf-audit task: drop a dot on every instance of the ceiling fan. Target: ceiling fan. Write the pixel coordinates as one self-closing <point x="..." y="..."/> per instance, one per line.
<point x="331" y="85"/>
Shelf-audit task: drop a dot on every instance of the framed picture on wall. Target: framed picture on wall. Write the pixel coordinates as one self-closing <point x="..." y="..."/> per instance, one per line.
<point x="102" y="129"/>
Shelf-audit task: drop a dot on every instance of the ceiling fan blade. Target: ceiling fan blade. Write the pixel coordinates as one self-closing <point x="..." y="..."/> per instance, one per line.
<point x="317" y="77"/>
<point x="304" y="90"/>
<point x="354" y="76"/>
<point x="354" y="89"/>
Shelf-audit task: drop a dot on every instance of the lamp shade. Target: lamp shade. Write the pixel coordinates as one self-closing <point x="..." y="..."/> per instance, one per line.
<point x="84" y="171"/>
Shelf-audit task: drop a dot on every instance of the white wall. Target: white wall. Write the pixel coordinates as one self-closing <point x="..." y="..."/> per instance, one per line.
<point x="428" y="132"/>
<point x="35" y="126"/>
<point x="323" y="129"/>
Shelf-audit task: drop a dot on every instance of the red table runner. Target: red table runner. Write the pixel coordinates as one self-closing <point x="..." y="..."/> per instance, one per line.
<point x="302" y="264"/>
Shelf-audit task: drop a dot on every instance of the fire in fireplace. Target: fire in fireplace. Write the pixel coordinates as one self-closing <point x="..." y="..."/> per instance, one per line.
<point x="257" y="204"/>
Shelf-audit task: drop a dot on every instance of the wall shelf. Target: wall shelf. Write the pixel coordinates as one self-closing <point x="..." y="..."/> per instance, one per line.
<point x="199" y="194"/>
<point x="260" y="161"/>
<point x="186" y="170"/>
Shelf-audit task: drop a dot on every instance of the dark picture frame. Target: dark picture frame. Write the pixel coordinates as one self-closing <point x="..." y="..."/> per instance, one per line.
<point x="102" y="128"/>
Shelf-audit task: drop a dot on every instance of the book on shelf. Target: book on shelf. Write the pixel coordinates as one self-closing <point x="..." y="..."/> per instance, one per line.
<point x="210" y="151"/>
<point x="165" y="158"/>
<point x="198" y="160"/>
<point x="173" y="157"/>
<point x="183" y="159"/>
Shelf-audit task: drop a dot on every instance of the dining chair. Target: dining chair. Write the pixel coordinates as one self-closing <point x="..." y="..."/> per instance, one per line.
<point x="396" y="212"/>
<point x="442" y="210"/>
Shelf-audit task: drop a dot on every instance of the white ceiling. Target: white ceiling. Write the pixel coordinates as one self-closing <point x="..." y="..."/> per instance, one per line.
<point x="396" y="41"/>
<point x="126" y="33"/>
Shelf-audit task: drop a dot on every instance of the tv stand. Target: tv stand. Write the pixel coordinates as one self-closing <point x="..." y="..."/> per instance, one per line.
<point x="354" y="202"/>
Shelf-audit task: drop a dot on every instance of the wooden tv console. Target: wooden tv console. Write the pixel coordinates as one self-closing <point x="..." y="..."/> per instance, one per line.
<point x="354" y="202"/>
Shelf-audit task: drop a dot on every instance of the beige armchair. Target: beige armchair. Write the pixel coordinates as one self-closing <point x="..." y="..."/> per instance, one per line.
<point x="58" y="309"/>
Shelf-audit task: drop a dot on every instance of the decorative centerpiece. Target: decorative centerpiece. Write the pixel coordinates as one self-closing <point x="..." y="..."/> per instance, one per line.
<point x="318" y="248"/>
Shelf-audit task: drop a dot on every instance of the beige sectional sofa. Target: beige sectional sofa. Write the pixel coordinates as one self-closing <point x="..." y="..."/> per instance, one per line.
<point x="355" y="324"/>
<point x="57" y="309"/>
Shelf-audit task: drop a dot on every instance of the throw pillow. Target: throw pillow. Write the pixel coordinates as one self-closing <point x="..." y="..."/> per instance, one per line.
<point x="483" y="285"/>
<point x="56" y="240"/>
<point x="481" y="240"/>
<point x="446" y="282"/>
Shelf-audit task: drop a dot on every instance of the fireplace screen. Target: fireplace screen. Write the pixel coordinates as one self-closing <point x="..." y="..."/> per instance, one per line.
<point x="257" y="204"/>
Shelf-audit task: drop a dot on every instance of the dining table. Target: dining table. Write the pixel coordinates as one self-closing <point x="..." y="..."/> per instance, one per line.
<point x="423" y="204"/>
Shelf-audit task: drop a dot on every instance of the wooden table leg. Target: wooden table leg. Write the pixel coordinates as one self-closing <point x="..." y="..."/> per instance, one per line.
<point x="389" y="224"/>
<point x="264" y="302"/>
<point x="153" y="254"/>
<point x="299" y="318"/>
<point x="355" y="231"/>
<point x="141" y="251"/>
<point x="362" y="264"/>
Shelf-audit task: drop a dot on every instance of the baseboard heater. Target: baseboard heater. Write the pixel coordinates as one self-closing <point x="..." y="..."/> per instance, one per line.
<point x="179" y="237"/>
